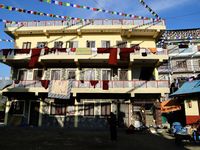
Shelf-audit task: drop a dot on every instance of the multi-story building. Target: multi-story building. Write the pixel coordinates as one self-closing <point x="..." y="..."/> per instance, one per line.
<point x="184" y="54"/>
<point x="75" y="75"/>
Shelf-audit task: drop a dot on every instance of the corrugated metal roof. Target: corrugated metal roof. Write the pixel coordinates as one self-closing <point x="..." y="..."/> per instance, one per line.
<point x="188" y="87"/>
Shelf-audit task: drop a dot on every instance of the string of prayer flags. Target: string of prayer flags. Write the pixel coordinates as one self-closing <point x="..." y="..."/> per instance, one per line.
<point x="8" y="21"/>
<point x="149" y="9"/>
<point x="66" y="4"/>
<point x="4" y="40"/>
<point x="10" y="8"/>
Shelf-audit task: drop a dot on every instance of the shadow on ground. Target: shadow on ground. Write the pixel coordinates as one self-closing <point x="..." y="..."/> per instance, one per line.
<point x="68" y="139"/>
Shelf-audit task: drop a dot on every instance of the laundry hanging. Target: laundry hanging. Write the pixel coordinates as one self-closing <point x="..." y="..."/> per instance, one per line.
<point x="34" y="58"/>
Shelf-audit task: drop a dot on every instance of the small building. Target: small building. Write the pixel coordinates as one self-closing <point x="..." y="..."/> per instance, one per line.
<point x="189" y="94"/>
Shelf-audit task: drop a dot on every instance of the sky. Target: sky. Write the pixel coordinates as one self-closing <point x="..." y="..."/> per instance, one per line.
<point x="179" y="14"/>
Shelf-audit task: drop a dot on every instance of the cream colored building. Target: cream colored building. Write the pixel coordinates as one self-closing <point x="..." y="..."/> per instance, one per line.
<point x="109" y="72"/>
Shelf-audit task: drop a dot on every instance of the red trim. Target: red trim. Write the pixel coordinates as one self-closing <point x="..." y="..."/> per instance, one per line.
<point x="192" y="119"/>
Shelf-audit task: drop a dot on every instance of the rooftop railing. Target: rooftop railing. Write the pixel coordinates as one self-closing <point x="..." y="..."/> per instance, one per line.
<point x="91" y="22"/>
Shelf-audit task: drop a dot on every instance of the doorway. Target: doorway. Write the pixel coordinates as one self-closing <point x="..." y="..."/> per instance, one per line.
<point x="34" y="113"/>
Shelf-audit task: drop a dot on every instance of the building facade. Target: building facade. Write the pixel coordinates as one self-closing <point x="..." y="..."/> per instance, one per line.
<point x="184" y="54"/>
<point x="73" y="74"/>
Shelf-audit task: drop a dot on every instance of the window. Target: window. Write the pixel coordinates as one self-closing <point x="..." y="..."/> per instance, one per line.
<point x="199" y="62"/>
<point x="182" y="46"/>
<point x="58" y="108"/>
<point x="90" y="44"/>
<point x="106" y="74"/>
<point x="17" y="107"/>
<point x="41" y="44"/>
<point x="72" y="44"/>
<point x="71" y="74"/>
<point x="37" y="75"/>
<point x="198" y="47"/>
<point x="89" y="109"/>
<point x="121" y="44"/>
<point x="26" y="45"/>
<point x="58" y="44"/>
<point x="105" y="44"/>
<point x="181" y="64"/>
<point x="70" y="110"/>
<point x="123" y="75"/>
<point x="55" y="74"/>
<point x="105" y="109"/>
<point x="22" y="75"/>
<point x="89" y="74"/>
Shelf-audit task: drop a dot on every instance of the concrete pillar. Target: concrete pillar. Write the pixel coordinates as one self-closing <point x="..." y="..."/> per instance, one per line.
<point x="8" y="105"/>
<point x="40" y="113"/>
<point x="156" y="73"/>
<point x="76" y="114"/>
<point x="129" y="72"/>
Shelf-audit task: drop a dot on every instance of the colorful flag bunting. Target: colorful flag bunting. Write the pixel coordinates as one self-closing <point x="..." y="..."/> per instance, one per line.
<point x="4" y="40"/>
<point x="10" y="8"/>
<point x="149" y="9"/>
<point x="56" y="2"/>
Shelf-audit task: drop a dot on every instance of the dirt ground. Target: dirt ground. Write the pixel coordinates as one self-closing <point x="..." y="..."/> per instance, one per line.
<point x="68" y="139"/>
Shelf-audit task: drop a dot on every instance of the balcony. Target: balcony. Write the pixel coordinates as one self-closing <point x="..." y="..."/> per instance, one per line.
<point x="23" y="56"/>
<point x="123" y="87"/>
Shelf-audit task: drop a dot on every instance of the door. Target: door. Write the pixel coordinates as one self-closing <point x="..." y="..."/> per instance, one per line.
<point x="123" y="114"/>
<point x="34" y="113"/>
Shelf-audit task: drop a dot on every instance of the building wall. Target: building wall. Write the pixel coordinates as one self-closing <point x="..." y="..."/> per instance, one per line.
<point x="192" y="111"/>
<point x="145" y="41"/>
<point x="74" y="117"/>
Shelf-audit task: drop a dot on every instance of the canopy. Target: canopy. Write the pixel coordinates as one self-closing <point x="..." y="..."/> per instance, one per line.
<point x="170" y="106"/>
<point x="188" y="87"/>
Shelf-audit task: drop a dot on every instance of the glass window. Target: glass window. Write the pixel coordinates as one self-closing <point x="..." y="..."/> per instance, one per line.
<point x="105" y="109"/>
<point x="58" y="108"/>
<point x="37" y="75"/>
<point x="41" y="44"/>
<point x="89" y="109"/>
<point x="123" y="75"/>
<point x="90" y="44"/>
<point x="89" y="74"/>
<point x="72" y="44"/>
<point x="181" y="64"/>
<point x="71" y="74"/>
<point x="26" y="45"/>
<point x="58" y="44"/>
<point x="105" y="44"/>
<point x="106" y="74"/>
<point x="17" y="107"/>
<point x="22" y="75"/>
<point x="55" y="74"/>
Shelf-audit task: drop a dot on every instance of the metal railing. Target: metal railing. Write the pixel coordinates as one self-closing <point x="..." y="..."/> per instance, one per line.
<point x="68" y="51"/>
<point x="189" y="68"/>
<point x="77" y="22"/>
<point x="99" y="84"/>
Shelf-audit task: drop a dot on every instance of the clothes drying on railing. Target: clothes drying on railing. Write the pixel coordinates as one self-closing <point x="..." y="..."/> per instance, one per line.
<point x="45" y="83"/>
<point x="60" y="89"/>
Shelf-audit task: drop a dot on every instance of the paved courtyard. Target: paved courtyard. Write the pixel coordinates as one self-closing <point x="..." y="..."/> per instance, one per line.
<point x="67" y="139"/>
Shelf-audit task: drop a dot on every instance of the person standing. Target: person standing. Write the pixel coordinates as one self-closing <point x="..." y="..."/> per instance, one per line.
<point x="113" y="126"/>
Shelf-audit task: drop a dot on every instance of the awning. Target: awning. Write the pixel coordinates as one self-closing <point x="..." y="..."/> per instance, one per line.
<point x="5" y="83"/>
<point x="170" y="106"/>
<point x="188" y="87"/>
